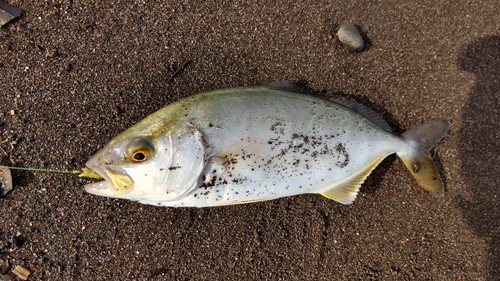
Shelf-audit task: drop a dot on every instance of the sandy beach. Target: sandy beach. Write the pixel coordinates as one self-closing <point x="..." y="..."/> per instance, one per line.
<point x="75" y="74"/>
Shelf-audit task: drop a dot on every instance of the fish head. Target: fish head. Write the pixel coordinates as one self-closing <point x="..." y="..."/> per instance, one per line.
<point x="150" y="167"/>
<point x="129" y="166"/>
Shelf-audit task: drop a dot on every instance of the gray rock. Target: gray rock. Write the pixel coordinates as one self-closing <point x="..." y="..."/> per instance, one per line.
<point x="350" y="37"/>
<point x="7" y="277"/>
<point x="8" y="13"/>
<point x="5" y="181"/>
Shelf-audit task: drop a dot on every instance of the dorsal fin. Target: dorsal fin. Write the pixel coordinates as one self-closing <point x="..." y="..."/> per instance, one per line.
<point x="365" y="111"/>
<point x="291" y="86"/>
<point x="285" y="85"/>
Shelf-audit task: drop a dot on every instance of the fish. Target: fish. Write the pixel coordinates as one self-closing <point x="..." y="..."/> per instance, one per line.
<point x="250" y="144"/>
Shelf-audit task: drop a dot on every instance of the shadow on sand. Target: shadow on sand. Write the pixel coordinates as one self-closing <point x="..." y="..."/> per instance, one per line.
<point x="480" y="145"/>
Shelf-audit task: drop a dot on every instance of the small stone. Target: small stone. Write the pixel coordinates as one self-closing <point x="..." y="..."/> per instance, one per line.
<point x="5" y="181"/>
<point x="8" y="13"/>
<point x="4" y="266"/>
<point x="7" y="277"/>
<point x="350" y="37"/>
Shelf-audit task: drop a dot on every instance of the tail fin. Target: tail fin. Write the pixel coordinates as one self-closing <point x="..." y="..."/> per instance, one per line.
<point x="421" y="139"/>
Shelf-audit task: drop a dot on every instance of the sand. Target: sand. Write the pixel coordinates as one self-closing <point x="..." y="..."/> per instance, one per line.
<point x="73" y="75"/>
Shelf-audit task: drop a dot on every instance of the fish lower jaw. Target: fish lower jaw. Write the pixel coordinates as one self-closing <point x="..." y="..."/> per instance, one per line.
<point x="99" y="188"/>
<point x="104" y="187"/>
<point x="116" y="181"/>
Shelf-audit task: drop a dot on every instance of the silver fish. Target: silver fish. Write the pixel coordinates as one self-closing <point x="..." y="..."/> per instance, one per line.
<point x="248" y="144"/>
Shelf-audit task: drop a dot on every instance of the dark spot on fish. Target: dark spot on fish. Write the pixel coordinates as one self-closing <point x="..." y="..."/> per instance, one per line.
<point x="416" y="167"/>
<point x="325" y="150"/>
<point x="173" y="167"/>
<point x="278" y="128"/>
<point x="210" y="125"/>
<point x="340" y="149"/>
<point x="282" y="153"/>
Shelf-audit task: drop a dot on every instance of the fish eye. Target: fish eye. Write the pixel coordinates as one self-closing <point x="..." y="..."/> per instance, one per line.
<point x="139" y="156"/>
<point x="140" y="150"/>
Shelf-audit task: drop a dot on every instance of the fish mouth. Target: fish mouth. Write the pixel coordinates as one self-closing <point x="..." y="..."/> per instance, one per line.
<point x="116" y="180"/>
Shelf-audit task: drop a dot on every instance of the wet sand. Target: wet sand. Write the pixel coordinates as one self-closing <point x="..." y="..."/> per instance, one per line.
<point x="73" y="75"/>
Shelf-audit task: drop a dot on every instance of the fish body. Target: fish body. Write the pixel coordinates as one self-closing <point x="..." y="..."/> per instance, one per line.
<point x="248" y="144"/>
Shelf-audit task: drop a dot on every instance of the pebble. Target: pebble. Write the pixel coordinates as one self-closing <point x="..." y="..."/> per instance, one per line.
<point x="350" y="37"/>
<point x="5" y="181"/>
<point x="4" y="267"/>
<point x="7" y="277"/>
<point x="8" y="13"/>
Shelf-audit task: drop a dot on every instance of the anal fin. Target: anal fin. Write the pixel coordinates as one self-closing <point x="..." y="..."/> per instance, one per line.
<point x="346" y="191"/>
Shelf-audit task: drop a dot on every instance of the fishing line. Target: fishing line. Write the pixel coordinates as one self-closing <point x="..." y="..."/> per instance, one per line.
<point x="84" y="172"/>
<point x="75" y="172"/>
